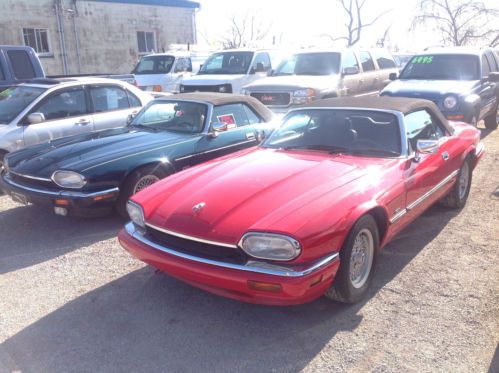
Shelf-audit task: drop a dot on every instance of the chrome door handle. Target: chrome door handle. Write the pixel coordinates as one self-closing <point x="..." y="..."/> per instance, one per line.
<point x="250" y="136"/>
<point x="445" y="156"/>
<point x="82" y="122"/>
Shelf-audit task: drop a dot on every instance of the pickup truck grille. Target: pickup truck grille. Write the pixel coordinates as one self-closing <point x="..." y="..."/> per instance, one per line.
<point x="273" y="99"/>
<point x="204" y="88"/>
<point x="195" y="248"/>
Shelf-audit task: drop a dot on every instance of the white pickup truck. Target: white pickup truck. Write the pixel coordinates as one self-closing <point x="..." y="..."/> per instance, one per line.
<point x="228" y="71"/>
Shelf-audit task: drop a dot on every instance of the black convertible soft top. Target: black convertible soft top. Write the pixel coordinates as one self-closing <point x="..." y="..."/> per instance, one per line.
<point x="402" y="104"/>
<point x="224" y="99"/>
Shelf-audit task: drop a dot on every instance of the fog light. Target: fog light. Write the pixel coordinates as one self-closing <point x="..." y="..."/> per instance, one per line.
<point x="62" y="211"/>
<point x="265" y="286"/>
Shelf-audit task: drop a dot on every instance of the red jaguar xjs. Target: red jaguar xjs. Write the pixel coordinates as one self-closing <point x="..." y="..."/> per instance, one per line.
<point x="306" y="212"/>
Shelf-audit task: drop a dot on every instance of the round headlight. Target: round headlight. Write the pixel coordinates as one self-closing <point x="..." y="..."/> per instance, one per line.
<point x="136" y="213"/>
<point x="270" y="246"/>
<point x="68" y="179"/>
<point x="450" y="102"/>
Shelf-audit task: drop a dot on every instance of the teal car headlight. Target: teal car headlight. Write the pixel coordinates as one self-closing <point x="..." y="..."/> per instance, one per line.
<point x="69" y="179"/>
<point x="270" y="246"/>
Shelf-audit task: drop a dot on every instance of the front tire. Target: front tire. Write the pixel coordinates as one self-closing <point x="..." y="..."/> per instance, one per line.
<point x="137" y="181"/>
<point x="491" y="121"/>
<point x="458" y="195"/>
<point x="358" y="258"/>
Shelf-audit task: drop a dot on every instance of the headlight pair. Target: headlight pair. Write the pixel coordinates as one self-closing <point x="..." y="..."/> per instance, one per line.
<point x="69" y="179"/>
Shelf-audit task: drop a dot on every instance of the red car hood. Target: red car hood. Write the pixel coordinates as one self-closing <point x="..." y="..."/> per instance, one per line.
<point x="254" y="190"/>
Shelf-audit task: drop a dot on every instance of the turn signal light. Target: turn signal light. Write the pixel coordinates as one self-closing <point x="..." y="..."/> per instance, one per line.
<point x="156" y="88"/>
<point x="104" y="196"/>
<point x="265" y="286"/>
<point x="454" y="117"/>
<point x="62" y="202"/>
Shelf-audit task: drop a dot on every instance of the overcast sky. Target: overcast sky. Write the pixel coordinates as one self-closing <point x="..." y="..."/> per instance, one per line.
<point x="302" y="22"/>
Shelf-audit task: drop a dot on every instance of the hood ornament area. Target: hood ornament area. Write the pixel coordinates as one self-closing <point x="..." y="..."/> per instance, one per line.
<point x="197" y="208"/>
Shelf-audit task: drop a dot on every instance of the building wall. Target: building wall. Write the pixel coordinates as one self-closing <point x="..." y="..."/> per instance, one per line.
<point x="106" y="32"/>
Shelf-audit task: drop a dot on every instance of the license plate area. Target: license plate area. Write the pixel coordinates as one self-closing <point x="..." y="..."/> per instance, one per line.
<point x="19" y="198"/>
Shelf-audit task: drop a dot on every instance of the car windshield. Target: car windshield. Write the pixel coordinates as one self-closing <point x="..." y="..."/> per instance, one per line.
<point x="357" y="132"/>
<point x="154" y="65"/>
<point x="227" y="63"/>
<point x="14" y="100"/>
<point x="175" y="116"/>
<point x="442" y="67"/>
<point x="309" y="64"/>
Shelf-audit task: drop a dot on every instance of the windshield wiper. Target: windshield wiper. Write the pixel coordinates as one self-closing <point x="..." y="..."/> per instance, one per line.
<point x="144" y="126"/>
<point x="328" y="148"/>
<point x="375" y="151"/>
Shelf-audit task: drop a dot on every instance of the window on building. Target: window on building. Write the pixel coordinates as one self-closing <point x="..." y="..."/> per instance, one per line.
<point x="37" y="38"/>
<point x="146" y="41"/>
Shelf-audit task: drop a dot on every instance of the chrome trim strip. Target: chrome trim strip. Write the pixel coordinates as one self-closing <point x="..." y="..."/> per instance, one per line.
<point x="62" y="193"/>
<point x="214" y="150"/>
<point x="31" y="177"/>
<point x="192" y="238"/>
<point x="251" y="266"/>
<point x="398" y="216"/>
<point x="479" y="149"/>
<point x="433" y="190"/>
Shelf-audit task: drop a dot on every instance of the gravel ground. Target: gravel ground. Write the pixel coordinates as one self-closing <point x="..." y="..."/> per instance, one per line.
<point x="71" y="300"/>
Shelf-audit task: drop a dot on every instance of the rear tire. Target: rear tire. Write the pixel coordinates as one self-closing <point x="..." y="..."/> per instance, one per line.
<point x="358" y="258"/>
<point x="137" y="181"/>
<point x="491" y="121"/>
<point x="458" y="195"/>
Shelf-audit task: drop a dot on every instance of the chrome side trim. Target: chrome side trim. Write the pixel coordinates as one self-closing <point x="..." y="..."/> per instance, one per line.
<point x="31" y="177"/>
<point x="62" y="193"/>
<point x="398" y="216"/>
<point x="192" y="238"/>
<point x="214" y="150"/>
<point x="251" y="266"/>
<point x="479" y="149"/>
<point x="432" y="190"/>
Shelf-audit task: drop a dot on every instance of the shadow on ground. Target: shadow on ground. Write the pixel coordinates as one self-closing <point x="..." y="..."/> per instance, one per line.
<point x="146" y="321"/>
<point x="31" y="234"/>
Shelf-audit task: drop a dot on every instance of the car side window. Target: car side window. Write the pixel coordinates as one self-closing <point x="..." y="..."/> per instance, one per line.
<point x="253" y="118"/>
<point x="492" y="61"/>
<point x="180" y="66"/>
<point x="421" y="125"/>
<point x="262" y="62"/>
<point x="384" y="59"/>
<point x="70" y="103"/>
<point x="133" y="100"/>
<point x="2" y="76"/>
<point x="348" y="59"/>
<point x="108" y="98"/>
<point x="234" y="115"/>
<point x="367" y="61"/>
<point x="485" y="67"/>
<point x="188" y="64"/>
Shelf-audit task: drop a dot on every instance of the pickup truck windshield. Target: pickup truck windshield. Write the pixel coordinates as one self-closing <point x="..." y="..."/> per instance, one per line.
<point x="173" y="116"/>
<point x="309" y="64"/>
<point x="154" y="65"/>
<point x="14" y="100"/>
<point x="236" y="63"/>
<point x="356" y="132"/>
<point x="442" y="67"/>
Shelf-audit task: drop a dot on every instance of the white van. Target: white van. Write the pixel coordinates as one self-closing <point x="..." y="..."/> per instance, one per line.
<point x="163" y="72"/>
<point x="228" y="71"/>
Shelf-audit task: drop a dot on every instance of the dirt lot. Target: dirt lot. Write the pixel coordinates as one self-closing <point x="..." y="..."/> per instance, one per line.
<point x="71" y="300"/>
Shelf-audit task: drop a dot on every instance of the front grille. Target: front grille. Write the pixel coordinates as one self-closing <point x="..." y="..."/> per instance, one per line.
<point x="201" y="88"/>
<point x="27" y="181"/>
<point x="273" y="99"/>
<point x="195" y="248"/>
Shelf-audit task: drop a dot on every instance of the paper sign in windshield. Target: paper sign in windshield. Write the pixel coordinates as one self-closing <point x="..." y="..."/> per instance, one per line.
<point x="227" y="119"/>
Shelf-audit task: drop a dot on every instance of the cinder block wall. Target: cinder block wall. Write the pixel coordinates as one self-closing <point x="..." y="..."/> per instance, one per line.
<point x="107" y="32"/>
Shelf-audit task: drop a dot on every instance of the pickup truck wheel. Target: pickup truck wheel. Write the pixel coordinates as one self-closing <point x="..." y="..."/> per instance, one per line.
<point x="137" y="181"/>
<point x="458" y="195"/>
<point x="357" y="262"/>
<point x="492" y="120"/>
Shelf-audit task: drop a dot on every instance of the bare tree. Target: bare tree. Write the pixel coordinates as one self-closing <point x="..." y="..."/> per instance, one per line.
<point x="244" y="31"/>
<point x="355" y="22"/>
<point x="460" y="22"/>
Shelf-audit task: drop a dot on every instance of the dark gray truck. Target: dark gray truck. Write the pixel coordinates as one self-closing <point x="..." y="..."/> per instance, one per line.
<point x="18" y="64"/>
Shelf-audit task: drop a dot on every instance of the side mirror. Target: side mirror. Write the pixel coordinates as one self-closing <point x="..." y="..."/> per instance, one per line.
<point x="218" y="127"/>
<point x="35" y="118"/>
<point x="131" y="117"/>
<point x="494" y="77"/>
<point x="393" y="76"/>
<point x="351" y="70"/>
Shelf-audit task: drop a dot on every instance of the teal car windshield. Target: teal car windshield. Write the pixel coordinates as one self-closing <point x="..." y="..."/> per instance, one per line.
<point x="175" y="116"/>
<point x="14" y="100"/>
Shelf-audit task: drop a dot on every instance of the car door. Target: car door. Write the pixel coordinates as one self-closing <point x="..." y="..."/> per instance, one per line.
<point x="182" y="70"/>
<point x="428" y="176"/>
<point x="369" y="75"/>
<point x="111" y="105"/>
<point x="488" y="89"/>
<point x="260" y="66"/>
<point x="385" y="65"/>
<point x="242" y="131"/>
<point x="66" y="113"/>
<point x="351" y="82"/>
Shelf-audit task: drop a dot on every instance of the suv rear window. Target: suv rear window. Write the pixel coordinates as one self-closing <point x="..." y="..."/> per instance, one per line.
<point x="21" y="64"/>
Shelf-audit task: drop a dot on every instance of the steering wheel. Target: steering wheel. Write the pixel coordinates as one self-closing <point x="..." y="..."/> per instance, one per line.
<point x="366" y="143"/>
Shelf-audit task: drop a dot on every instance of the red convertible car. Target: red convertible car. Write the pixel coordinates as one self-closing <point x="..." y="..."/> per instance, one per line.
<point x="305" y="213"/>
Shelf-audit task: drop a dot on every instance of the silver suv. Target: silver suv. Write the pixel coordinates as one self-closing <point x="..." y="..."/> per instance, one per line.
<point x="46" y="109"/>
<point x="309" y="75"/>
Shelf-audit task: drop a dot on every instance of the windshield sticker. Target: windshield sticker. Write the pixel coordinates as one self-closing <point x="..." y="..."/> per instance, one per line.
<point x="227" y="119"/>
<point x="422" y="59"/>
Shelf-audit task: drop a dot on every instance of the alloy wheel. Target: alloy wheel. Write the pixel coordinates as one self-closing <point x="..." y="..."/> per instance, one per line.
<point x="463" y="181"/>
<point x="361" y="259"/>
<point x="144" y="182"/>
